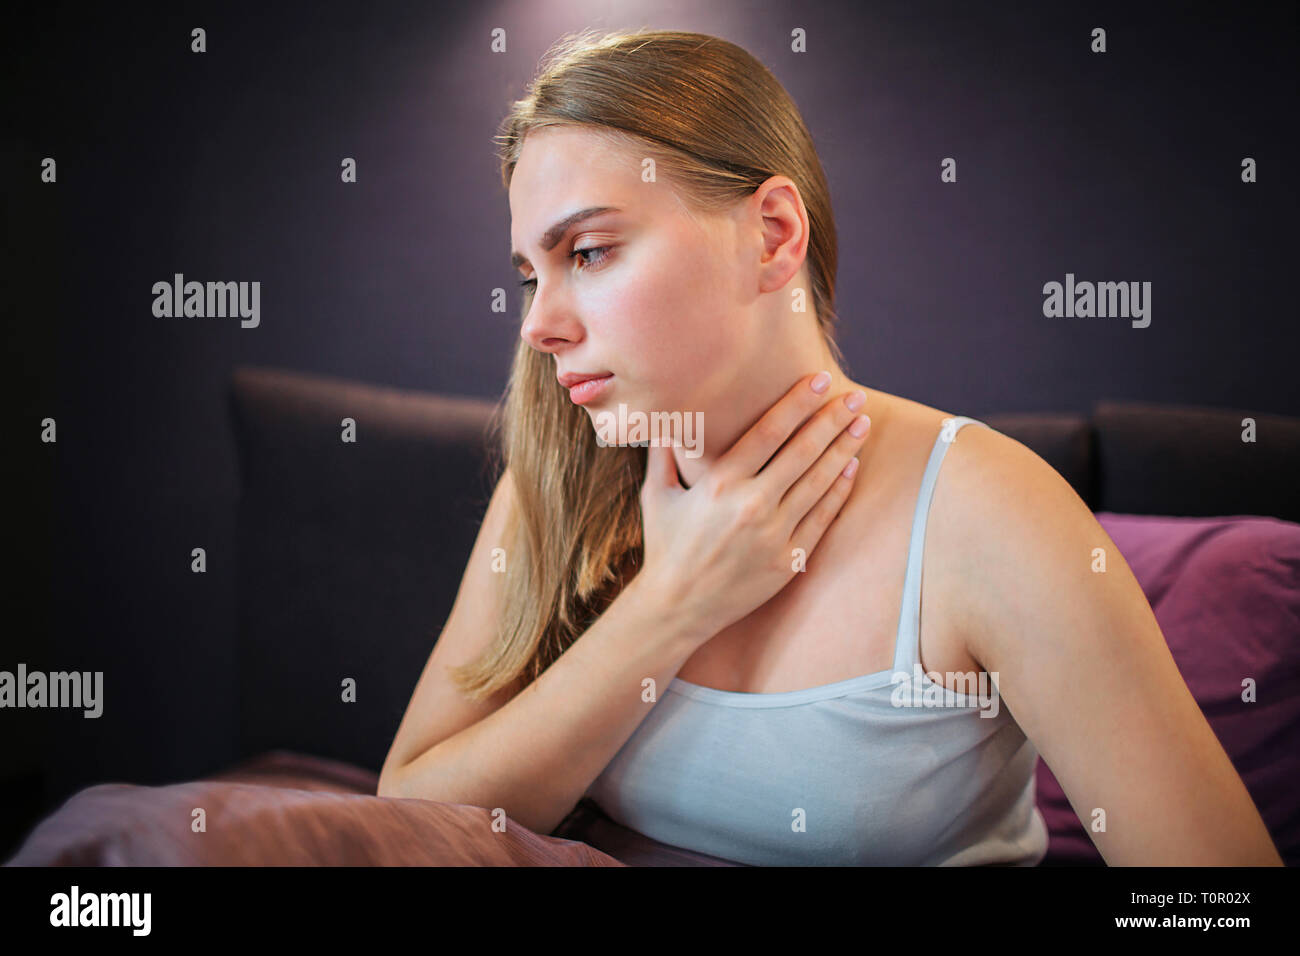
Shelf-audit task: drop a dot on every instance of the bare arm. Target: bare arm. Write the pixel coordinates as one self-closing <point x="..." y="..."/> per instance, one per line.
<point x="534" y="752"/>
<point x="438" y="708"/>
<point x="1088" y="676"/>
<point x="536" y="755"/>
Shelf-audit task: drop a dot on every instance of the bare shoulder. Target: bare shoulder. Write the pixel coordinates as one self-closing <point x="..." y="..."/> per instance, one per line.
<point x="998" y="485"/>
<point x="993" y="495"/>
<point x="982" y="467"/>
<point x="1006" y="523"/>
<point x="995" y="502"/>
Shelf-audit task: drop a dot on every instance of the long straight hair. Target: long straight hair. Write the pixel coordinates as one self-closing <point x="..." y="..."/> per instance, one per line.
<point x="718" y="124"/>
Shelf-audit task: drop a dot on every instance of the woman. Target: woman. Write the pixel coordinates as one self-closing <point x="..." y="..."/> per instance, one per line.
<point x="722" y="644"/>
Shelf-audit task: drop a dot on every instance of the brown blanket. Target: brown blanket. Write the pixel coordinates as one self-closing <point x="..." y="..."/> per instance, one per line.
<point x="119" y="824"/>
<point x="285" y="809"/>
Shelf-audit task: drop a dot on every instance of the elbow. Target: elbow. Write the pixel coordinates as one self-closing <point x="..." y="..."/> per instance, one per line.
<point x="389" y="782"/>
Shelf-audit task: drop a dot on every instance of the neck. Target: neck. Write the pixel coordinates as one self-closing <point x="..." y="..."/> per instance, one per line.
<point x="766" y="381"/>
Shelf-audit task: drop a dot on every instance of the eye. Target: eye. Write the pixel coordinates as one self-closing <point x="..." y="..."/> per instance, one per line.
<point x="603" y="250"/>
<point x="530" y="285"/>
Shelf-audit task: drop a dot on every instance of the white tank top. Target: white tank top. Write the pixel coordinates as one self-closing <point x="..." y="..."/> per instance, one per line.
<point x="858" y="772"/>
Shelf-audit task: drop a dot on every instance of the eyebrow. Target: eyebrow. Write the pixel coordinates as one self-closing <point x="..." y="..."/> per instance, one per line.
<point x="552" y="236"/>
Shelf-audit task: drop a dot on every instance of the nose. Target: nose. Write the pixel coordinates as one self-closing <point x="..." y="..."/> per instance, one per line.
<point x="549" y="325"/>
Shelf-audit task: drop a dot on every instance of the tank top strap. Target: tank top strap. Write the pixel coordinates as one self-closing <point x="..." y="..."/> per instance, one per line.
<point x="906" y="653"/>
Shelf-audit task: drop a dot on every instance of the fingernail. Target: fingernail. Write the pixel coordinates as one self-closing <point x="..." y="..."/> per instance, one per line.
<point x="859" y="426"/>
<point x="854" y="400"/>
<point x="821" y="381"/>
<point x="850" y="468"/>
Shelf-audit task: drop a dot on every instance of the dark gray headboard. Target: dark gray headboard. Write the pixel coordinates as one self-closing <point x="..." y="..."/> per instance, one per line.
<point x="1144" y="458"/>
<point x="350" y="554"/>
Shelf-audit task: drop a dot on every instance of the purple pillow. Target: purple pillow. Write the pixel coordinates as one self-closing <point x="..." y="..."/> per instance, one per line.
<point x="1226" y="593"/>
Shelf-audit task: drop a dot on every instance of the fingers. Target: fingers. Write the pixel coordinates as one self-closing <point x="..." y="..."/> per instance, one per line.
<point x="808" y="533"/>
<point x="817" y="480"/>
<point x="807" y="447"/>
<point x="765" y="436"/>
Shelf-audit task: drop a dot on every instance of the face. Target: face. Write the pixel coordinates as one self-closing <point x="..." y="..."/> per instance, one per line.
<point x="645" y="291"/>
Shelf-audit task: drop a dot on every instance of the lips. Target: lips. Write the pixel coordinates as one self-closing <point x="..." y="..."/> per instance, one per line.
<point x="570" y="379"/>
<point x="584" y="387"/>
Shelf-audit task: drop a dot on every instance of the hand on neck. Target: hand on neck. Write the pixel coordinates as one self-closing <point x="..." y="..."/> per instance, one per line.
<point x="751" y="398"/>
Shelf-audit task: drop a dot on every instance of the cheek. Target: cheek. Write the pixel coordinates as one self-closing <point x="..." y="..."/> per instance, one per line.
<point x="679" y="325"/>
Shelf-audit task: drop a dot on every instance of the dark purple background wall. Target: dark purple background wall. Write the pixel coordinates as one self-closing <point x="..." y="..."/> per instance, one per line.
<point x="225" y="166"/>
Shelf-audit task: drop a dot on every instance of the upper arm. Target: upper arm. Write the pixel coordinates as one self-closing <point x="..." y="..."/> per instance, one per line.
<point x="438" y="708"/>
<point x="1082" y="665"/>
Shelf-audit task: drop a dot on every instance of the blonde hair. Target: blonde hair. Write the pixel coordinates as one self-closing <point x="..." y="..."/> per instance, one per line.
<point x="718" y="124"/>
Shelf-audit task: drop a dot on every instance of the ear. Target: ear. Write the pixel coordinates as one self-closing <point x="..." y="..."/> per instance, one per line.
<point x="784" y="223"/>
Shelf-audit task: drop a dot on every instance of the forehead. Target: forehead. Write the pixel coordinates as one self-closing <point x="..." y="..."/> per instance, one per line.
<point x="561" y="170"/>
